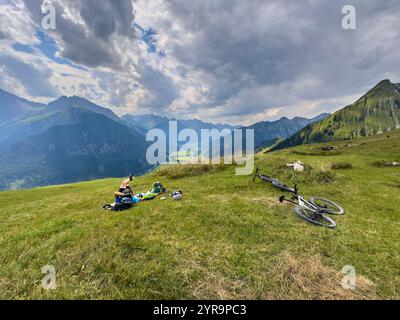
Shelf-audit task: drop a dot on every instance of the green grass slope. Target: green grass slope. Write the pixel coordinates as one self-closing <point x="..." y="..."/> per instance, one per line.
<point x="227" y="238"/>
<point x="376" y="112"/>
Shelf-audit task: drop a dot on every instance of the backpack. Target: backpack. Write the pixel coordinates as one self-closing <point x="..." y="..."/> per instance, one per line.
<point x="158" y="188"/>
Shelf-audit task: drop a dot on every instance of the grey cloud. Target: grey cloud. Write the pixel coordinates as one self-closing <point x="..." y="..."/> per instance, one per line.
<point x="369" y="61"/>
<point x="82" y="48"/>
<point x="105" y="18"/>
<point x="89" y="44"/>
<point x="34" y="7"/>
<point x="119" y="87"/>
<point x="97" y="19"/>
<point x="244" y="45"/>
<point x="35" y="81"/>
<point x="160" y="87"/>
<point x="250" y="55"/>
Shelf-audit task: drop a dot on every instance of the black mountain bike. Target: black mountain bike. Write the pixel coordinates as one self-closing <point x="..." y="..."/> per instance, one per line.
<point x="313" y="210"/>
<point x="153" y="168"/>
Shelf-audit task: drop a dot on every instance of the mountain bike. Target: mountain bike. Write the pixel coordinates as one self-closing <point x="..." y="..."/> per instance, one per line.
<point x="276" y="183"/>
<point x="313" y="210"/>
<point x="153" y="168"/>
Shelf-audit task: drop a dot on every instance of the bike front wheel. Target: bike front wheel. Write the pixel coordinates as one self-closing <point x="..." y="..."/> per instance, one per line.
<point x="314" y="217"/>
<point x="327" y="206"/>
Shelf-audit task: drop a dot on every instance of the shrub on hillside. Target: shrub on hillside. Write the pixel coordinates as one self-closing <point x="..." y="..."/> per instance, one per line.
<point x="316" y="152"/>
<point x="383" y="163"/>
<point x="341" y="165"/>
<point x="311" y="175"/>
<point x="188" y="170"/>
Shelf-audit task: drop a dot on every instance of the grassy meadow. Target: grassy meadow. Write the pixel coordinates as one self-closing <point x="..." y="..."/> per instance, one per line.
<point x="228" y="238"/>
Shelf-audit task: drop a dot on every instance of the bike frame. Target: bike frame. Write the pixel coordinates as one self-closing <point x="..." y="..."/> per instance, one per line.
<point x="303" y="203"/>
<point x="300" y="200"/>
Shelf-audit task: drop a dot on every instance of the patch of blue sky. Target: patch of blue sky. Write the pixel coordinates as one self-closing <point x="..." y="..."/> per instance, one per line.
<point x="148" y="37"/>
<point x="48" y="47"/>
<point x="22" y="48"/>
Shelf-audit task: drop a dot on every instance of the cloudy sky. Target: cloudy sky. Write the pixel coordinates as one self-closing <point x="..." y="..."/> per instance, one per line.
<point x="218" y="60"/>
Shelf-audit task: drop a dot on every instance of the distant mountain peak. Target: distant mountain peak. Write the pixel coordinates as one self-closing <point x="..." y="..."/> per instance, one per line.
<point x="384" y="82"/>
<point x="383" y="85"/>
<point x="13" y="107"/>
<point x="65" y="102"/>
<point x="61" y="101"/>
<point x="375" y="112"/>
<point x="151" y="121"/>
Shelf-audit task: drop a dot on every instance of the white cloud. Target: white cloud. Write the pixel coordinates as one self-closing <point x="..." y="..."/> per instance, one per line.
<point x="235" y="61"/>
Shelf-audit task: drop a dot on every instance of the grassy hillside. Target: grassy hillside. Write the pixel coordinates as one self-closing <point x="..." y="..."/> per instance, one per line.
<point x="376" y="112"/>
<point x="227" y="238"/>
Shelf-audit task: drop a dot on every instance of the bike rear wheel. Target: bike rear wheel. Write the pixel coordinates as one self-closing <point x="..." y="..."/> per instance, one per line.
<point x="314" y="217"/>
<point x="327" y="206"/>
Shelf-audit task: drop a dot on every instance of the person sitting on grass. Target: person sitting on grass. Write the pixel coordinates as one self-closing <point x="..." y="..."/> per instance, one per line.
<point x="124" y="196"/>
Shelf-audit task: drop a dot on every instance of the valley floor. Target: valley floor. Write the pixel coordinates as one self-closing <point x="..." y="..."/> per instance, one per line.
<point x="227" y="238"/>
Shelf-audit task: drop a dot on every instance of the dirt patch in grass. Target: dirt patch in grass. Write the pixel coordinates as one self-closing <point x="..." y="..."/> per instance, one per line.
<point x="310" y="279"/>
<point x="341" y="165"/>
<point x="219" y="198"/>
<point x="268" y="201"/>
<point x="291" y="278"/>
<point x="188" y="170"/>
<point x="211" y="283"/>
<point x="216" y="286"/>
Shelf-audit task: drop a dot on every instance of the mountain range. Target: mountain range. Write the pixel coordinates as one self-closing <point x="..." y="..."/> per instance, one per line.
<point x="375" y="112"/>
<point x="266" y="133"/>
<point x="72" y="139"/>
<point x="144" y="123"/>
<point x="88" y="146"/>
<point x="13" y="107"/>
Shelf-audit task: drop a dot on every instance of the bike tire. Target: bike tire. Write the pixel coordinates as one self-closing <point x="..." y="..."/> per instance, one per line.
<point x="312" y="216"/>
<point x="327" y="206"/>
